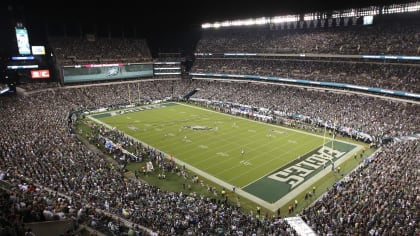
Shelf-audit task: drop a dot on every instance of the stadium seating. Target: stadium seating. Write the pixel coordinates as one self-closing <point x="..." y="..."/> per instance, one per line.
<point x="40" y="148"/>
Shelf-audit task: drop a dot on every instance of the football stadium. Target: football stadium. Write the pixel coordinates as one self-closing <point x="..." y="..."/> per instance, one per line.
<point x="300" y="123"/>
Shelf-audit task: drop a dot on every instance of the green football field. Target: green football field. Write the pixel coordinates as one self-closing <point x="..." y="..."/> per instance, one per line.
<point x="262" y="160"/>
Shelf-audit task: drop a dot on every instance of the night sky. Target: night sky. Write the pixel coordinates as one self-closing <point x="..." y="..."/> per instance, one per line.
<point x="185" y="14"/>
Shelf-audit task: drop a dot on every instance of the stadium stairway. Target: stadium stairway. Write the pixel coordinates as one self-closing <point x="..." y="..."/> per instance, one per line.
<point x="188" y="95"/>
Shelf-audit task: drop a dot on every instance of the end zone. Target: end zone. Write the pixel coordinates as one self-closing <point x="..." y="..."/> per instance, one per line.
<point x="283" y="185"/>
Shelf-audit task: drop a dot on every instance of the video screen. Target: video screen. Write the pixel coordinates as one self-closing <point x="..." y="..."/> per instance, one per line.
<point x="23" y="41"/>
<point x="38" y="50"/>
<point x="40" y="74"/>
<point x="367" y="20"/>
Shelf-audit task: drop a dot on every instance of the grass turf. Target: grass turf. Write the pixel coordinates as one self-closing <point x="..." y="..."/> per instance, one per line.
<point x="212" y="142"/>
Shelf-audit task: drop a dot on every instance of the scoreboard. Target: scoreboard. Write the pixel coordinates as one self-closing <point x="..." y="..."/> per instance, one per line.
<point x="25" y="63"/>
<point x="22" y="38"/>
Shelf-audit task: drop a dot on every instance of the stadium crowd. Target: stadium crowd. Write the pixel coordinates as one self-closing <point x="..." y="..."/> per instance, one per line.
<point x="38" y="149"/>
<point x="386" y="36"/>
<point x="395" y="76"/>
<point x="77" y="50"/>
